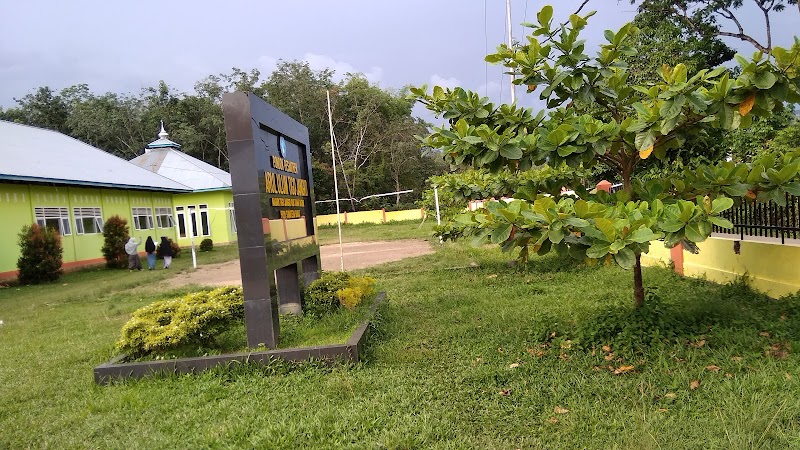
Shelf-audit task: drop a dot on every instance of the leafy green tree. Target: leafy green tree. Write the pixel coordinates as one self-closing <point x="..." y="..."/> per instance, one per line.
<point x="707" y="17"/>
<point x="40" y="255"/>
<point x="115" y="236"/>
<point x="598" y="114"/>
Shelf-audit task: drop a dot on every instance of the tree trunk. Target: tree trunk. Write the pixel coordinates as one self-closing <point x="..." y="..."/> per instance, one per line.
<point x="638" y="287"/>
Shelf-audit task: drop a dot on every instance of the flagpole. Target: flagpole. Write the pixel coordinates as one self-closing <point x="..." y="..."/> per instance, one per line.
<point x="335" y="181"/>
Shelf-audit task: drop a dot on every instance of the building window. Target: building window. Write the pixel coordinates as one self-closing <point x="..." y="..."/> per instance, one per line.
<point x="142" y="218"/>
<point x="164" y="218"/>
<point x="181" y="221"/>
<point x="204" y="226"/>
<point x="54" y="218"/>
<point x="232" y="217"/>
<point x="88" y="220"/>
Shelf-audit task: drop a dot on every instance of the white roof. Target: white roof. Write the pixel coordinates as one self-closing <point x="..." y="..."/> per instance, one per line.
<point x="185" y="169"/>
<point x="34" y="154"/>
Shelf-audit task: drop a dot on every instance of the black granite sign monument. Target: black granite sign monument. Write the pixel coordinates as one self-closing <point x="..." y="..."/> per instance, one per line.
<point x="273" y="196"/>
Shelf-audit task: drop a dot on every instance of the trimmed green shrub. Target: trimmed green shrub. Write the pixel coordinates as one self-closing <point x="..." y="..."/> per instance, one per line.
<point x="206" y="245"/>
<point x="40" y="255"/>
<point x="319" y="298"/>
<point x="176" y="250"/>
<point x="196" y="318"/>
<point x="115" y="234"/>
<point x="358" y="289"/>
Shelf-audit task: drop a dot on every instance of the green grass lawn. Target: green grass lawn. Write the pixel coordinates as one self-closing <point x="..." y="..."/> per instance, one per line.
<point x="410" y="229"/>
<point x="464" y="358"/>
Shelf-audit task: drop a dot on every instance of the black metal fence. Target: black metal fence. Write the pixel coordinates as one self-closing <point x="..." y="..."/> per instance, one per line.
<point x="765" y="219"/>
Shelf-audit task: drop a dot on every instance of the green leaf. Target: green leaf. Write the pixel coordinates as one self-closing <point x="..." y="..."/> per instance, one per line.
<point x="616" y="246"/>
<point x="721" y="204"/>
<point x="510" y="152"/>
<point x="545" y="15"/>
<point x="642" y="235"/>
<point x="764" y="80"/>
<point x="597" y="251"/>
<point x="576" y="222"/>
<point x="480" y="239"/>
<point x="693" y="232"/>
<point x="606" y="227"/>
<point x="501" y="233"/>
<point x="720" y="222"/>
<point x="625" y="258"/>
<point x="462" y="127"/>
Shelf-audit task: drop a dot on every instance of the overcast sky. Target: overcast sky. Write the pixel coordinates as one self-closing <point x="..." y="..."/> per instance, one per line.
<point x="125" y="46"/>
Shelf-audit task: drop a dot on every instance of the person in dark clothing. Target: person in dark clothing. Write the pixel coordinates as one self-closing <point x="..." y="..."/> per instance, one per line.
<point x="150" y="248"/>
<point x="166" y="251"/>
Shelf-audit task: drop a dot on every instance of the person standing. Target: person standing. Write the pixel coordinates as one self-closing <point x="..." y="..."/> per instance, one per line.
<point x="132" y="249"/>
<point x="166" y="251"/>
<point x="150" y="248"/>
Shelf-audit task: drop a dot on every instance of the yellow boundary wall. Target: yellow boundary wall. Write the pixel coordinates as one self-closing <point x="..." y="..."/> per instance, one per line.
<point x="771" y="268"/>
<point x="375" y="216"/>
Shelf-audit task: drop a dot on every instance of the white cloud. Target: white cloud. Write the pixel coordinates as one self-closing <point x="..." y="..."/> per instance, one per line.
<point x="341" y="68"/>
<point x="438" y="80"/>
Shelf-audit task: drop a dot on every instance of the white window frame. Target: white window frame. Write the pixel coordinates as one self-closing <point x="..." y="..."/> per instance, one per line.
<point x="205" y="221"/>
<point x="180" y="221"/>
<point x="232" y="217"/>
<point x="164" y="218"/>
<point x="61" y="214"/>
<point x="93" y="215"/>
<point x="146" y="213"/>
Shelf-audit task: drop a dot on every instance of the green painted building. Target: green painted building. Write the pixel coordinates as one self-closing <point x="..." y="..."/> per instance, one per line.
<point x="52" y="179"/>
<point x="206" y="212"/>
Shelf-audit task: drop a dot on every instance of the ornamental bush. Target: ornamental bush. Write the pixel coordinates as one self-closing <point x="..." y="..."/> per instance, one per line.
<point x="206" y="245"/>
<point x="335" y="289"/>
<point x="196" y="318"/>
<point x="115" y="234"/>
<point x="358" y="289"/>
<point x="40" y="255"/>
<point x="319" y="298"/>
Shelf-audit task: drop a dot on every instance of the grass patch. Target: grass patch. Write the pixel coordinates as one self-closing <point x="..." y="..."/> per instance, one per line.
<point x="391" y="231"/>
<point x="460" y="362"/>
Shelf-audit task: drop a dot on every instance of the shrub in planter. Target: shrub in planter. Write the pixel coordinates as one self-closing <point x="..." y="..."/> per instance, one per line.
<point x="206" y="245"/>
<point x="319" y="298"/>
<point x="40" y="255"/>
<point x="115" y="235"/>
<point x="176" y="250"/>
<point x="196" y="318"/>
<point x="358" y="289"/>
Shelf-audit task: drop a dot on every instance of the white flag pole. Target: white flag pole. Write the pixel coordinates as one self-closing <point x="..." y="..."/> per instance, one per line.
<point x="335" y="181"/>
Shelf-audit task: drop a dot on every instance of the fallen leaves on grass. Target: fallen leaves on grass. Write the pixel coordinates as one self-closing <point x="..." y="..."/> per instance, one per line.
<point x="694" y="384"/>
<point x="778" y="350"/>
<point x="609" y="357"/>
<point x="560" y="410"/>
<point x="513" y="366"/>
<point x="670" y="395"/>
<point x="736" y="358"/>
<point x="764" y="334"/>
<point x="662" y="410"/>
<point x="713" y="368"/>
<point x="552" y="420"/>
<point x="505" y="392"/>
<point x="698" y="344"/>
<point x="623" y="369"/>
<point x="536" y="352"/>
<point x="494" y="275"/>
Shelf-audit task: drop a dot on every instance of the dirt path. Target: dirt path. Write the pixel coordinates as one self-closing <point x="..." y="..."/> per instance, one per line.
<point x="357" y="255"/>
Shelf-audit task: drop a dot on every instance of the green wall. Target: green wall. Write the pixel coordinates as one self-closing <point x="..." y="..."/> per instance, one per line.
<point x="17" y="203"/>
<point x="220" y="227"/>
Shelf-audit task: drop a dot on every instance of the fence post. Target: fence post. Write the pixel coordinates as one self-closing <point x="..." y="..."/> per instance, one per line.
<point x="384" y="214"/>
<point x="676" y="253"/>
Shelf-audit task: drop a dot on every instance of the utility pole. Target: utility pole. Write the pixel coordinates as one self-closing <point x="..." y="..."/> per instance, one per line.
<point x="510" y="43"/>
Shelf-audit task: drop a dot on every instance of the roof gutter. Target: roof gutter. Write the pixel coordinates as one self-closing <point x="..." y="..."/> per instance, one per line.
<point x="91" y="183"/>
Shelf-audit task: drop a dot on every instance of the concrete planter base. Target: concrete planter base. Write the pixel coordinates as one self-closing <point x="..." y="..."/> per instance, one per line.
<point x="351" y="351"/>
